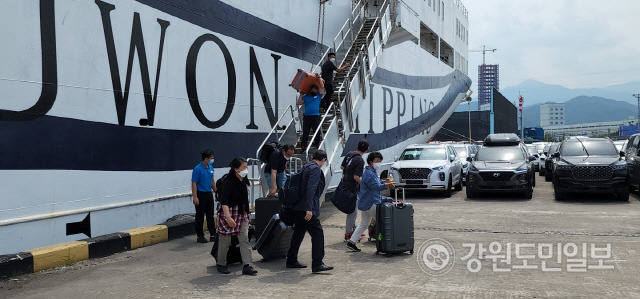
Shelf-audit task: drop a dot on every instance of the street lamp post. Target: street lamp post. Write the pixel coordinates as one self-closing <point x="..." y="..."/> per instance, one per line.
<point x="637" y="96"/>
<point x="468" y="99"/>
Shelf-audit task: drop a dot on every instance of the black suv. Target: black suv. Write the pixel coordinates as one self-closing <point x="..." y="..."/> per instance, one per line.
<point x="548" y="162"/>
<point x="589" y="165"/>
<point x="503" y="164"/>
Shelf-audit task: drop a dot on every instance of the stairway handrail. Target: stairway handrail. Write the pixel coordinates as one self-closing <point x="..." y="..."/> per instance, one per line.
<point x="319" y="129"/>
<point x="378" y="18"/>
<point x="358" y="6"/>
<point x="275" y="128"/>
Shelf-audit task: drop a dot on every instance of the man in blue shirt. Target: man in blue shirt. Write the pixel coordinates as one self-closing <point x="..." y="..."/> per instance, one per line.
<point x="201" y="185"/>
<point x="311" y="119"/>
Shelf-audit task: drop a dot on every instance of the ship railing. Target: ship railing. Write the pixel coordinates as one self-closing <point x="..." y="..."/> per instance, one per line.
<point x="354" y="89"/>
<point x="289" y="135"/>
<point x="255" y="165"/>
<point x="332" y="144"/>
<point x="347" y="34"/>
<point x="319" y="130"/>
<point x="407" y="18"/>
<point x="376" y="39"/>
<point x="274" y="130"/>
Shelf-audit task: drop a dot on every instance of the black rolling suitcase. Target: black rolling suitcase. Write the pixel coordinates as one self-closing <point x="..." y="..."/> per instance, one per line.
<point x="275" y="239"/>
<point x="394" y="226"/>
<point x="265" y="208"/>
<point x="233" y="255"/>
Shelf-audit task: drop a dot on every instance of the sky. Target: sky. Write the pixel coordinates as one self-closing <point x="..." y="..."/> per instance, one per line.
<point x="573" y="43"/>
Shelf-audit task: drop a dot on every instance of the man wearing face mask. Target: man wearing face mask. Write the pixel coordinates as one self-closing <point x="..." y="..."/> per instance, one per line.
<point x="274" y="171"/>
<point x="328" y="67"/>
<point x="233" y="216"/>
<point x="307" y="213"/>
<point x="311" y="119"/>
<point x="201" y="185"/>
<point x="370" y="195"/>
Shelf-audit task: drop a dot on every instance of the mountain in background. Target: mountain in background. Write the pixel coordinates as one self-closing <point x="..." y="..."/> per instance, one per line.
<point x="585" y="109"/>
<point x="536" y="92"/>
<point x="611" y="103"/>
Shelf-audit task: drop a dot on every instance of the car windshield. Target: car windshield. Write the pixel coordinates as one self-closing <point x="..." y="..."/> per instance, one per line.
<point x="554" y="148"/>
<point x="532" y="149"/>
<point x="500" y="153"/>
<point x="462" y="152"/>
<point x="434" y="153"/>
<point x="589" y="148"/>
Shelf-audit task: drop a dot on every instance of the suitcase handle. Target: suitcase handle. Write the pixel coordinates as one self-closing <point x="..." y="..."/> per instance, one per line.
<point x="399" y="204"/>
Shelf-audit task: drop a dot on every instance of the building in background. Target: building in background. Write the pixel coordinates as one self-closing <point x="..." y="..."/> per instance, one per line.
<point x="488" y="78"/>
<point x="500" y="118"/>
<point x="624" y="127"/>
<point x="551" y="114"/>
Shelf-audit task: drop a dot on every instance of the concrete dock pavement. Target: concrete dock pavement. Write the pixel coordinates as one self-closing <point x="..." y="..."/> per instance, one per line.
<point x="182" y="268"/>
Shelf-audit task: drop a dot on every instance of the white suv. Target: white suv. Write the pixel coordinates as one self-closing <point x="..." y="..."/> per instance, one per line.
<point x="428" y="167"/>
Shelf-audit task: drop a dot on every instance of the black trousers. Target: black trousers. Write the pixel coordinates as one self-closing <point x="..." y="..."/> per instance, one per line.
<point x="310" y="123"/>
<point x="206" y="207"/>
<point x="326" y="100"/>
<point x="314" y="229"/>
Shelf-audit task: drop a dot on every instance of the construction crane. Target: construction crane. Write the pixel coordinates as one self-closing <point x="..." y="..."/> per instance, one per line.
<point x="484" y="50"/>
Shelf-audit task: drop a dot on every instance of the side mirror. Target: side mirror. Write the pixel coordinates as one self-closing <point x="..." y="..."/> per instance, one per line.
<point x="532" y="158"/>
<point x="546" y="153"/>
<point x="452" y="157"/>
<point x="469" y="159"/>
<point x="621" y="153"/>
<point x="395" y="159"/>
<point x="556" y="155"/>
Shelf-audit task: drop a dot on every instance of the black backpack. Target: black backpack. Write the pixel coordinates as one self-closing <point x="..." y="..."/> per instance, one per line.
<point x="291" y="193"/>
<point x="267" y="150"/>
<point x="219" y="185"/>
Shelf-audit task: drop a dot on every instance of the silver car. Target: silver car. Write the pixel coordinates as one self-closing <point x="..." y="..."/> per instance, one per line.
<point x="428" y="167"/>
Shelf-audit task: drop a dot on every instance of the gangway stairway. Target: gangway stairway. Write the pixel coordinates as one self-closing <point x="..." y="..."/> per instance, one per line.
<point x="349" y="73"/>
<point x="360" y="42"/>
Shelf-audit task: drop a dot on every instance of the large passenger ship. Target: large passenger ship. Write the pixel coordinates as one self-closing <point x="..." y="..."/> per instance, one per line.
<point x="106" y="104"/>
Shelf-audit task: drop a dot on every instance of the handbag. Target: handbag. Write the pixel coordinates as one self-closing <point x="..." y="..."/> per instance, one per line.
<point x="344" y="199"/>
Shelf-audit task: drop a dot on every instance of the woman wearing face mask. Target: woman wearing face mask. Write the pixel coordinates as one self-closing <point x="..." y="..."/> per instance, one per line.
<point x="370" y="195"/>
<point x="233" y="216"/>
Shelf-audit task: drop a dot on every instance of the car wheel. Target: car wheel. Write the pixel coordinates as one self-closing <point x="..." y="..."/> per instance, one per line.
<point x="533" y="180"/>
<point x="528" y="194"/>
<point x="447" y="193"/>
<point x="632" y="189"/>
<point x="459" y="184"/>
<point x="623" y="194"/>
<point x="558" y="194"/>
<point x="470" y="193"/>
<point x="547" y="176"/>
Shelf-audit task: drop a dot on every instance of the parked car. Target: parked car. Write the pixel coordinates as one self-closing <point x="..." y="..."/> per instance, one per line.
<point x="533" y="151"/>
<point x="428" y="167"/>
<point x="502" y="164"/>
<point x="632" y="158"/>
<point x="588" y="166"/>
<point x="543" y="158"/>
<point x="620" y="145"/>
<point x="548" y="163"/>
<point x="464" y="151"/>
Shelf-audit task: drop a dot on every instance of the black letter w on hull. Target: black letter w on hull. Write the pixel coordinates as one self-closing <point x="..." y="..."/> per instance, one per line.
<point x="137" y="44"/>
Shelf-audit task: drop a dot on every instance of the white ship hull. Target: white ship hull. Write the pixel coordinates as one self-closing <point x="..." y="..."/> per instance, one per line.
<point x="213" y="75"/>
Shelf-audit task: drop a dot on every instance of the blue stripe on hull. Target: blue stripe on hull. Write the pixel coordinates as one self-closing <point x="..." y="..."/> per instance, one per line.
<point x="225" y="19"/>
<point x="61" y="143"/>
<point x="414" y="127"/>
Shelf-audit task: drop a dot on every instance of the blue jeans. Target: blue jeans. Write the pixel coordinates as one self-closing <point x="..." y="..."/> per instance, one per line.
<point x="281" y="178"/>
